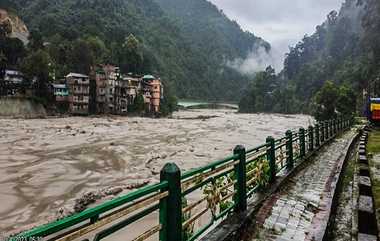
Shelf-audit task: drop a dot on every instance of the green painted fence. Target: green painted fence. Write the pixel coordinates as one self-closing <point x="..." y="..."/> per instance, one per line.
<point x="222" y="188"/>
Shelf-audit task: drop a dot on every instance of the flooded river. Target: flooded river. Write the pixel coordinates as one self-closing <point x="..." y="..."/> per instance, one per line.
<point x="45" y="165"/>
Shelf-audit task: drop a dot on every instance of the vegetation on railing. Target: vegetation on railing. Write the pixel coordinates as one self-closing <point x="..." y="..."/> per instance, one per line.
<point x="221" y="188"/>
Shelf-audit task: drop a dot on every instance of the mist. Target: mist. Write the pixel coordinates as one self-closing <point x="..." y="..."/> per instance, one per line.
<point x="281" y="23"/>
<point x="257" y="60"/>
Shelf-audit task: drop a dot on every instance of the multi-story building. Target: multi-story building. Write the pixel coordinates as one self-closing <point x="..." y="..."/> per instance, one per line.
<point x="79" y="89"/>
<point x="152" y="90"/>
<point x="126" y="90"/>
<point x="101" y="89"/>
<point x="112" y="74"/>
<point x="60" y="92"/>
<point x="11" y="82"/>
<point x="13" y="76"/>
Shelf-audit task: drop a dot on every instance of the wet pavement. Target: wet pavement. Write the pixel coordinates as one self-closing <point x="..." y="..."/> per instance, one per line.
<point x="292" y="213"/>
<point x="48" y="164"/>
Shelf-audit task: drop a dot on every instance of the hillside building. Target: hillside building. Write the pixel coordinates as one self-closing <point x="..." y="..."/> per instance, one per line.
<point x="126" y="91"/>
<point x="152" y="90"/>
<point x="60" y="92"/>
<point x="112" y="74"/>
<point x="79" y="89"/>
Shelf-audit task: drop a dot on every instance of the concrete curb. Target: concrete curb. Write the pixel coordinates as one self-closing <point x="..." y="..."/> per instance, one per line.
<point x="323" y="219"/>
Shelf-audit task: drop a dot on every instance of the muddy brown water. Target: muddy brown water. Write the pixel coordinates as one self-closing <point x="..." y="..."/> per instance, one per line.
<point x="45" y="164"/>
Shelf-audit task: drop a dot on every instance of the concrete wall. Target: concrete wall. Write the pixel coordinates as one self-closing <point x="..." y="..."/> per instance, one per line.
<point x="21" y="108"/>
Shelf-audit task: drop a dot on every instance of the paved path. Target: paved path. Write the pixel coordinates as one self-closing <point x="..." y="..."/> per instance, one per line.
<point x="294" y="211"/>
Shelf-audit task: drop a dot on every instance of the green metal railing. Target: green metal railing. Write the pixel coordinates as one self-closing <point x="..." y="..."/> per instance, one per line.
<point x="219" y="189"/>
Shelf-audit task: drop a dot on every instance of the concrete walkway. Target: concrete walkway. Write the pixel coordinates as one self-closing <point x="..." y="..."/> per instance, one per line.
<point x="298" y="210"/>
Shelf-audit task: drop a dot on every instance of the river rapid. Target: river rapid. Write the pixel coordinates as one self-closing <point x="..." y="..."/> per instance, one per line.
<point x="48" y="164"/>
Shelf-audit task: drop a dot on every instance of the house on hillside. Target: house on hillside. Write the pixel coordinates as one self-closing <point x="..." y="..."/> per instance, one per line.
<point x="12" y="82"/>
<point x="13" y="76"/>
<point x="60" y="92"/>
<point x="152" y="90"/>
<point x="112" y="74"/>
<point x="61" y="97"/>
<point x="101" y="87"/>
<point x="79" y="89"/>
<point x="126" y="90"/>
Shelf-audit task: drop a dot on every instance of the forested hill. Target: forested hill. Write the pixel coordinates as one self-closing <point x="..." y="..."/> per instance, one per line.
<point x="327" y="71"/>
<point x="187" y="43"/>
<point x="210" y="30"/>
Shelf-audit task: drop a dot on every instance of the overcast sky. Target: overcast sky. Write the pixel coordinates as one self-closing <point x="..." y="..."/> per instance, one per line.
<point x="281" y="22"/>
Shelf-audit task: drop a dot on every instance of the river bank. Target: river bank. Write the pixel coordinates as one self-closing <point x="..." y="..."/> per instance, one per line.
<point x="47" y="165"/>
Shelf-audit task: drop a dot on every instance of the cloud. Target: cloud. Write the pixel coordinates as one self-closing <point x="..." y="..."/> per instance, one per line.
<point x="280" y="22"/>
<point x="256" y="61"/>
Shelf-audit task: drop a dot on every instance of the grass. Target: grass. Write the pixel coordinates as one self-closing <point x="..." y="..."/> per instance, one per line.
<point x="373" y="145"/>
<point x="373" y="148"/>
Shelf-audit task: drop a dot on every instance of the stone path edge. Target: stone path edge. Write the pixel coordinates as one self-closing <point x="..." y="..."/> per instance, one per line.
<point x="237" y="226"/>
<point x="319" y="230"/>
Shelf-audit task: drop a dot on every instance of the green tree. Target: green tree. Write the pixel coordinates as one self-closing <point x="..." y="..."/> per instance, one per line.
<point x="260" y="94"/>
<point x="138" y="106"/>
<point x="81" y="57"/>
<point x="37" y="65"/>
<point x="325" y="102"/>
<point x="346" y="103"/>
<point x="169" y="102"/>
<point x="98" y="49"/>
<point x="35" y="40"/>
<point x="14" y="51"/>
<point x="132" y="58"/>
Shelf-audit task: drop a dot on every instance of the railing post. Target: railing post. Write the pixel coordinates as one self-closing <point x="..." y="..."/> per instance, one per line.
<point x="330" y="128"/>
<point x="171" y="206"/>
<point x="240" y="197"/>
<point x="322" y="132"/>
<point x="302" y="142"/>
<point x="326" y="130"/>
<point x="311" y="138"/>
<point x="271" y="155"/>
<point x="289" y="150"/>
<point x="317" y="140"/>
<point x="335" y="127"/>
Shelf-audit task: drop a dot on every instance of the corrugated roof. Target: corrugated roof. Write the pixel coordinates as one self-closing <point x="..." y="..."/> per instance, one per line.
<point x="76" y="75"/>
<point x="149" y="77"/>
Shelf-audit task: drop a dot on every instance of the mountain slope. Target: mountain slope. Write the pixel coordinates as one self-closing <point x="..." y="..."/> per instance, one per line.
<point x="190" y="57"/>
<point x="342" y="56"/>
<point x="328" y="53"/>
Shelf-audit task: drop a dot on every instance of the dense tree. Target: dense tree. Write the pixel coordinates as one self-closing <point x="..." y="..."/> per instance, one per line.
<point x="332" y="101"/>
<point x="35" y="40"/>
<point x="185" y="42"/>
<point x="81" y="57"/>
<point x="132" y="58"/>
<point x="14" y="51"/>
<point x="138" y="106"/>
<point x="325" y="73"/>
<point x="169" y="103"/>
<point x="325" y="101"/>
<point x="37" y="66"/>
<point x="260" y="95"/>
